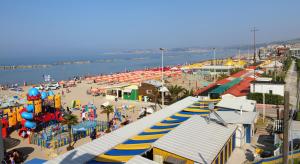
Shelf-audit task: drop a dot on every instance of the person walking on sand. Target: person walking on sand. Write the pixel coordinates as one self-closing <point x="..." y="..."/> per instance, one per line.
<point x="62" y="93"/>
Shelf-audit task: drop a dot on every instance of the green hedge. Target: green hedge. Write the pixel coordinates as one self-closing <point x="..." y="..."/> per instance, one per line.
<point x="269" y="98"/>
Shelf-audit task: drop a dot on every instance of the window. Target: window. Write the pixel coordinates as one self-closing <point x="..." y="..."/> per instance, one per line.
<point x="270" y="92"/>
<point x="149" y="91"/>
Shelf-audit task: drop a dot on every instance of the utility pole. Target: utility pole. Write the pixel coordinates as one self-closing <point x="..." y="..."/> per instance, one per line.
<point x="264" y="107"/>
<point x="214" y="64"/>
<point x="162" y="78"/>
<point x="254" y="54"/>
<point x="254" y="29"/>
<point x="286" y="127"/>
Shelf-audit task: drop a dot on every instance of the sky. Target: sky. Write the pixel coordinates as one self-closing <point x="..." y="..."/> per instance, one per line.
<point x="69" y="27"/>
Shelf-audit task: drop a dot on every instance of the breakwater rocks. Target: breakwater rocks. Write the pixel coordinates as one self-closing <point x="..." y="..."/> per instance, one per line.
<point x="24" y="66"/>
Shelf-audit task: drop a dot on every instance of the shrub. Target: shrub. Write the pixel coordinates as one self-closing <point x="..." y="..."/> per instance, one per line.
<point x="269" y="98"/>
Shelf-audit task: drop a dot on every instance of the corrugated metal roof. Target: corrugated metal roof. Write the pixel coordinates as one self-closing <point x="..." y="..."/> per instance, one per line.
<point x="140" y="160"/>
<point x="196" y="139"/>
<point x="87" y="152"/>
<point x="233" y="117"/>
<point x="237" y="103"/>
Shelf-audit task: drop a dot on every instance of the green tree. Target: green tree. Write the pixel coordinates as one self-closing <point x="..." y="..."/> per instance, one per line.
<point x="70" y="120"/>
<point x="175" y="92"/>
<point x="107" y="110"/>
<point x="187" y="93"/>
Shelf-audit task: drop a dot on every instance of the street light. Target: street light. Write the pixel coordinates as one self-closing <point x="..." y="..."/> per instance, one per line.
<point x="214" y="64"/>
<point x="162" y="77"/>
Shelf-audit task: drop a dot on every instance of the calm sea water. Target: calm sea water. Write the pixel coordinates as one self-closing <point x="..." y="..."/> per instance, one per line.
<point x="104" y="64"/>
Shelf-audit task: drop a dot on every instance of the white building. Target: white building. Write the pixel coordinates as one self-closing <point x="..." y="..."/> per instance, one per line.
<point x="267" y="87"/>
<point x="245" y="121"/>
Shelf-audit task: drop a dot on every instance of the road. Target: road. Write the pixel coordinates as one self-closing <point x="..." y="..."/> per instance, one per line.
<point x="291" y="84"/>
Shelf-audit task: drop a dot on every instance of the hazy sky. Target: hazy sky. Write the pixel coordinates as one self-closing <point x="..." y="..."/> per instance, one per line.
<point x="73" y="26"/>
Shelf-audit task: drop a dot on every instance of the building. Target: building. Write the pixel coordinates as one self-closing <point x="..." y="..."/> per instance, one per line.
<point x="295" y="52"/>
<point x="115" y="91"/>
<point x="245" y="122"/>
<point x="272" y="66"/>
<point x="149" y="91"/>
<point x="197" y="140"/>
<point x="267" y="87"/>
<point x="215" y="70"/>
<point x="130" y="92"/>
<point x="232" y="103"/>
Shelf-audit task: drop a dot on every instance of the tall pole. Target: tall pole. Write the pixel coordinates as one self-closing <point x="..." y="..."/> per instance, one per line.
<point x="254" y="43"/>
<point x="264" y="107"/>
<point x="286" y="127"/>
<point x="254" y="54"/>
<point x="214" y="64"/>
<point x="162" y="78"/>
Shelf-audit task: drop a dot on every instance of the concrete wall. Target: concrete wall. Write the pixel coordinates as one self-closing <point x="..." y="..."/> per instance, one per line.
<point x="277" y="89"/>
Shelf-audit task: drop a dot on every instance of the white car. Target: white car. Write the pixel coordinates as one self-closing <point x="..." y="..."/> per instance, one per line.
<point x="52" y="86"/>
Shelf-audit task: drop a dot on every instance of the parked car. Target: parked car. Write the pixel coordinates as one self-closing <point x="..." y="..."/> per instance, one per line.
<point x="52" y="86"/>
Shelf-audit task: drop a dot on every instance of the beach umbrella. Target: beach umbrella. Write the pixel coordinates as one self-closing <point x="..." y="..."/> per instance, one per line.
<point x="94" y="90"/>
<point x="61" y="82"/>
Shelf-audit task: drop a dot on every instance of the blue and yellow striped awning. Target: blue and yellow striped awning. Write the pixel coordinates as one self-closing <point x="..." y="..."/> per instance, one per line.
<point x="142" y="142"/>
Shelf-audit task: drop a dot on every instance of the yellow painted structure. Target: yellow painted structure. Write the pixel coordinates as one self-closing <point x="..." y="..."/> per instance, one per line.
<point x="132" y="146"/>
<point x="166" y="154"/>
<point x="109" y="158"/>
<point x="57" y="99"/>
<point x="221" y="158"/>
<point x="37" y="105"/>
<point x="13" y="114"/>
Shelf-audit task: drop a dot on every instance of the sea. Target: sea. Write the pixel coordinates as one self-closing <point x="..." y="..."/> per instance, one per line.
<point x="99" y="64"/>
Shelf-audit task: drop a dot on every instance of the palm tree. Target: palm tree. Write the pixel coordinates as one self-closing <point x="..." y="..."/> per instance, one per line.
<point x="70" y="120"/>
<point x="107" y="109"/>
<point x="175" y="91"/>
<point x="187" y="93"/>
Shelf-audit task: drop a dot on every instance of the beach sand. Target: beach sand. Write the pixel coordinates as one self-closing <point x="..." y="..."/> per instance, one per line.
<point x="79" y="93"/>
<point x="76" y="93"/>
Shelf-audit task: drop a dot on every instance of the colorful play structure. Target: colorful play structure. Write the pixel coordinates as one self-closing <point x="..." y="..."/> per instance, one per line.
<point x="42" y="109"/>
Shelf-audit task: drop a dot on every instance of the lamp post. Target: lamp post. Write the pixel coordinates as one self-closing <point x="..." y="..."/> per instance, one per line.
<point x="162" y="77"/>
<point x="214" y="64"/>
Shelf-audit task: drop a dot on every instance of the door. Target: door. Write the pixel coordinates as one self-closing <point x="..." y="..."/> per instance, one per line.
<point x="248" y="133"/>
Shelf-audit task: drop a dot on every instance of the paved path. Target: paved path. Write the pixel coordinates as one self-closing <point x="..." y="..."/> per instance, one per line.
<point x="291" y="84"/>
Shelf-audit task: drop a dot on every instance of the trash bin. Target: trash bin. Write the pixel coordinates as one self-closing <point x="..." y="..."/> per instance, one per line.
<point x="140" y="98"/>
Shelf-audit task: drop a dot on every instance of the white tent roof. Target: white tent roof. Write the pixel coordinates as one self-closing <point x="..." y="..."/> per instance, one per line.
<point x="237" y="103"/>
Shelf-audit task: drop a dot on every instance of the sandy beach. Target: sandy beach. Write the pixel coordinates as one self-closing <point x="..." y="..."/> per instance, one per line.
<point x="79" y="92"/>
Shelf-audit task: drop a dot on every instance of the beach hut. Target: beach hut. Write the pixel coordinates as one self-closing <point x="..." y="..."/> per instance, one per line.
<point x="130" y="92"/>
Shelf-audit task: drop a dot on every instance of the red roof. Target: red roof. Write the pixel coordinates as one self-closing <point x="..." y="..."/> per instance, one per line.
<point x="241" y="89"/>
<point x="239" y="74"/>
<point x="251" y="67"/>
